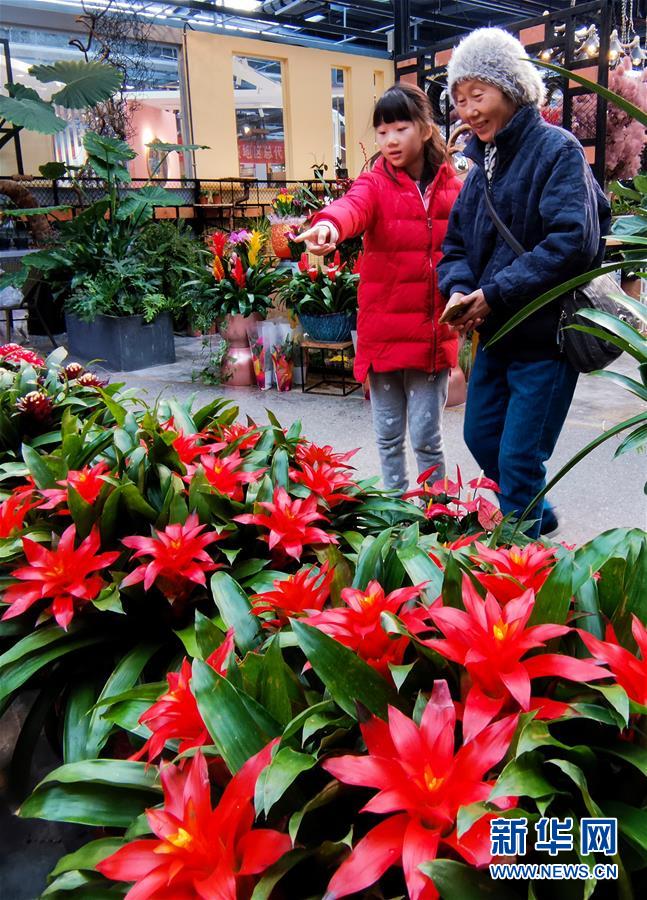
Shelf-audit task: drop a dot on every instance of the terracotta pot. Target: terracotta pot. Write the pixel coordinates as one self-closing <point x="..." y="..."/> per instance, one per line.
<point x="234" y="329"/>
<point x="457" y="387"/>
<point x="238" y="367"/>
<point x="278" y="236"/>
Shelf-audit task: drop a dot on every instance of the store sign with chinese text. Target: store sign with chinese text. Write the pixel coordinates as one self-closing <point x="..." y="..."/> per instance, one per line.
<point x="254" y="152"/>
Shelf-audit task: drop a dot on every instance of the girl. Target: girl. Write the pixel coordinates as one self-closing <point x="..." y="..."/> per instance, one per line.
<point x="402" y="206"/>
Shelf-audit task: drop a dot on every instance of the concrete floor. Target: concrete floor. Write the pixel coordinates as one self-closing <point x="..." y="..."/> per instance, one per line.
<point x="600" y="493"/>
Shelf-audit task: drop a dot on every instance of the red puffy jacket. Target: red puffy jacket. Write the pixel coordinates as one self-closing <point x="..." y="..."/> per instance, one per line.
<point x="399" y="300"/>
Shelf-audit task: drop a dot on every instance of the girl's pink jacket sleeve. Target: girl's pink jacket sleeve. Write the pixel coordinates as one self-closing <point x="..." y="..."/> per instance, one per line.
<point x="352" y="213"/>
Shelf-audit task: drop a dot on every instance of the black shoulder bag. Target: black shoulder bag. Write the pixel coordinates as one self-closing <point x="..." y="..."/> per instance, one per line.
<point x="585" y="352"/>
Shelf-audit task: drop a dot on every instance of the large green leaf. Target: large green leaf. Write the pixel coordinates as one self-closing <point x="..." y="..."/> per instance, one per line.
<point x="85" y="83"/>
<point x="285" y="767"/>
<point x="35" y="115"/>
<point x="419" y="566"/>
<point x="554" y="598"/>
<point x="105" y="792"/>
<point x="77" y="720"/>
<point x="33" y="211"/>
<point x="236" y="610"/>
<point x="457" y="881"/>
<point x="142" y="201"/>
<point x="550" y="295"/>
<point x="109" y="150"/>
<point x="180" y="148"/>
<point x="369" y="561"/>
<point x="123" y="677"/>
<point x="347" y="677"/>
<point x="235" y="730"/>
<point x="522" y="777"/>
<point x="18" y="673"/>
<point x="87" y="856"/>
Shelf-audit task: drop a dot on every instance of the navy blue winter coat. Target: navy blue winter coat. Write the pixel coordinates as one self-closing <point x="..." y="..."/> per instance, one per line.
<point x="543" y="189"/>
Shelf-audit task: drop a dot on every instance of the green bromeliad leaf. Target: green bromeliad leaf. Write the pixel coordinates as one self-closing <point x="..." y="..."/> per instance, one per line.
<point x="347" y="677"/>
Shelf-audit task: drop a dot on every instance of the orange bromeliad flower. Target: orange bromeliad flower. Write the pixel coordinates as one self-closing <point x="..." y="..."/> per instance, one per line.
<point x="224" y="473"/>
<point x="200" y="852"/>
<point x="422" y="784"/>
<point x="298" y="594"/>
<point x="288" y="522"/>
<point x="630" y="672"/>
<point x="516" y="569"/>
<point x="490" y="639"/>
<point x="358" y="625"/>
<point x="65" y="574"/>
<point x="178" y="558"/>
<point x="175" y="715"/>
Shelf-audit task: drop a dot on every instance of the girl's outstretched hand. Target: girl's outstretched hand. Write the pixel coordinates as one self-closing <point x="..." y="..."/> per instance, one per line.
<point x="318" y="239"/>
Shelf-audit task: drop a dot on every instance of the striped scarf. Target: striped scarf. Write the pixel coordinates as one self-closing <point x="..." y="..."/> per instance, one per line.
<point x="490" y="161"/>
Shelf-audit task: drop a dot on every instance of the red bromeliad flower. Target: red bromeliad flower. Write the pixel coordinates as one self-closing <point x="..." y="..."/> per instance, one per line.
<point x="224" y="473"/>
<point x="65" y="575"/>
<point x="305" y="591"/>
<point x="358" y="625"/>
<point x="305" y="267"/>
<point x="424" y="784"/>
<point x="515" y="569"/>
<point x="87" y="482"/>
<point x="326" y="481"/>
<point x="238" y="273"/>
<point x="311" y="454"/>
<point x="630" y="672"/>
<point x="490" y="639"/>
<point x="288" y="522"/>
<point x="249" y="433"/>
<point x="14" y="509"/>
<point x="200" y="851"/>
<point x="175" y="715"/>
<point x="14" y="353"/>
<point x="218" y="243"/>
<point x="178" y="558"/>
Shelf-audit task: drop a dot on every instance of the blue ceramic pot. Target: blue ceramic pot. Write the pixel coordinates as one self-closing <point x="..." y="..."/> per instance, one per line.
<point x="329" y="329"/>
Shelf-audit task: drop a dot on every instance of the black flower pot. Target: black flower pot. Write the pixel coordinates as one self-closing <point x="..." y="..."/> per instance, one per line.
<point x="124" y="343"/>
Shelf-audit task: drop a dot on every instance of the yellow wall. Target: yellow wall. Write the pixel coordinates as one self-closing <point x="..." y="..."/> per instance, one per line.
<point x="307" y="102"/>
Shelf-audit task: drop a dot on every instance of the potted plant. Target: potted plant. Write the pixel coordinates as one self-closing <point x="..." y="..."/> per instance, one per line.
<point x="289" y="211"/>
<point x="324" y="298"/>
<point x="242" y="283"/>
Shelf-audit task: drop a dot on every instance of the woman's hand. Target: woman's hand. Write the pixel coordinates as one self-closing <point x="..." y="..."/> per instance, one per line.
<point x="476" y="309"/>
<point x="318" y="239"/>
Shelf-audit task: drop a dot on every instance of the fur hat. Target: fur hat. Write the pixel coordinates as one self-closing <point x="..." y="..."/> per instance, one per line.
<point x="495" y="56"/>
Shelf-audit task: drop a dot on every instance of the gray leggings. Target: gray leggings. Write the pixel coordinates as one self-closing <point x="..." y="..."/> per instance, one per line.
<point x="420" y="397"/>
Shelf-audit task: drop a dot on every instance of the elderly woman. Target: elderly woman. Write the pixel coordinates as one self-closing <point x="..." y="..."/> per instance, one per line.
<point x="543" y="190"/>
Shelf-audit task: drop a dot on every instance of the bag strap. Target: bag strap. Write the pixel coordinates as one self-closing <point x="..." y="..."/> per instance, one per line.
<point x="503" y="230"/>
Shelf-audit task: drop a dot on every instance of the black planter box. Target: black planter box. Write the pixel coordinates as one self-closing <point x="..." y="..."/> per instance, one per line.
<point x="124" y="343"/>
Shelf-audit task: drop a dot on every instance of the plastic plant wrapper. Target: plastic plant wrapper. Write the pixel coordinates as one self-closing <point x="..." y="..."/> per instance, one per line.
<point x="283" y="359"/>
<point x="257" y="346"/>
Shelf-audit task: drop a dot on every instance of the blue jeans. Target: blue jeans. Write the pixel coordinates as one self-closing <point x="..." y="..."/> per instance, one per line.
<point x="514" y="414"/>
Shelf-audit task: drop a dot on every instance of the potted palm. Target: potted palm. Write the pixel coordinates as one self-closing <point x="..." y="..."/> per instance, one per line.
<point x="324" y="298"/>
<point x="242" y="284"/>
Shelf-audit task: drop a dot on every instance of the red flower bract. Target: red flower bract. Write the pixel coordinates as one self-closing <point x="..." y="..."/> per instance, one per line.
<point x="311" y="454"/>
<point x="490" y="639"/>
<point x="422" y="781"/>
<point x="87" y="482"/>
<point x="65" y="575"/>
<point x="630" y="672"/>
<point x="14" y="353"/>
<point x="515" y="569"/>
<point x="225" y="474"/>
<point x="325" y="480"/>
<point x="199" y="851"/>
<point x="288" y="522"/>
<point x="306" y="590"/>
<point x="359" y="626"/>
<point x="14" y="509"/>
<point x="178" y="558"/>
<point x="175" y="715"/>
